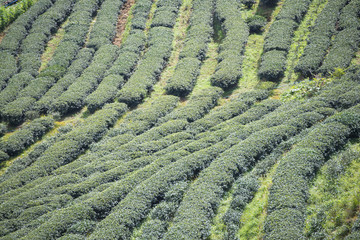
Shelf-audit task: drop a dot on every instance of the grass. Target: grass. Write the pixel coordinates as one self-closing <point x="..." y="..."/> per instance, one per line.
<point x="334" y="202"/>
<point x="218" y="227"/>
<point x="51" y="46"/>
<point x="253" y="218"/>
<point x="208" y="68"/>
<point x="151" y="15"/>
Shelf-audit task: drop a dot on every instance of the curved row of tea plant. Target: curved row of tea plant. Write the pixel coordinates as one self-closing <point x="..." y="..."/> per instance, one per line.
<point x="345" y="44"/>
<point x="193" y="52"/>
<point x="160" y="38"/>
<point x="279" y="38"/>
<point x="231" y="50"/>
<point x="288" y="194"/>
<point x="319" y="39"/>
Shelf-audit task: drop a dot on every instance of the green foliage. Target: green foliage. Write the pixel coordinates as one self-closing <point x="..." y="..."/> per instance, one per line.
<point x="184" y="78"/>
<point x="305" y="89"/>
<point x="104" y="28"/>
<point x="256" y="23"/>
<point x="332" y="204"/>
<point x="81" y="62"/>
<point x="319" y="38"/>
<point x="228" y="70"/>
<point x="272" y="65"/>
<point x="279" y="38"/>
<point x="26" y="136"/>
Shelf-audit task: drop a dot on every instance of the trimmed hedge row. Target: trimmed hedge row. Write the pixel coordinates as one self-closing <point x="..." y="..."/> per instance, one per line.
<point x="199" y="104"/>
<point x="246" y="186"/>
<point x="345" y="44"/>
<point x="76" y="68"/>
<point x="135" y="123"/>
<point x="73" y="98"/>
<point x="8" y="68"/>
<point x="279" y="38"/>
<point x="199" y="35"/>
<point x="42" y="28"/>
<point x="104" y="29"/>
<point x="26" y="136"/>
<point x="193" y="219"/>
<point x="319" y="39"/>
<point x="231" y="50"/>
<point x="119" y="173"/>
<point x="272" y="66"/>
<point x="14" y="112"/>
<point x="155" y="58"/>
<point x="119" y="72"/>
<point x="349" y="17"/>
<point x="289" y="192"/>
<point x="343" y="49"/>
<point x="19" y="29"/>
<point x="194" y="50"/>
<point x="74" y="37"/>
<point x="127" y="60"/>
<point x="163" y="213"/>
<point x="140" y="12"/>
<point x="230" y="110"/>
<point x="149" y="68"/>
<point x="69" y="147"/>
<point x="184" y="78"/>
<point x="15" y="84"/>
<point x="23" y="162"/>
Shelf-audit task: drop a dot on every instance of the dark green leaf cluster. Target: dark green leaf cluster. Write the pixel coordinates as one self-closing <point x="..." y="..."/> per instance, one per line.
<point x="256" y="23"/>
<point x="279" y="38"/>
<point x="104" y="29"/>
<point x="289" y="192"/>
<point x="8" y="68"/>
<point x="319" y="39"/>
<point x="73" y="98"/>
<point x="27" y="135"/>
<point x="199" y="34"/>
<point x="231" y="50"/>
<point x="188" y="68"/>
<point x="19" y="29"/>
<point x="80" y="63"/>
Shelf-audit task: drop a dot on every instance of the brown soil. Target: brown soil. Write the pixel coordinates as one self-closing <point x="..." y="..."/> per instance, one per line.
<point x="122" y="20"/>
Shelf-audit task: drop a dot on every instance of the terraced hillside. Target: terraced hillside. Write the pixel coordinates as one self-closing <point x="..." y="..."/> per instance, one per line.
<point x="180" y="119"/>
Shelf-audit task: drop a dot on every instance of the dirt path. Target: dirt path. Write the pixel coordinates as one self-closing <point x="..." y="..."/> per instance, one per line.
<point x="122" y="20"/>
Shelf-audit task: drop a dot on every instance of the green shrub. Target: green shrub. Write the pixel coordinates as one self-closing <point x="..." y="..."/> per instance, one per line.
<point x="184" y="78"/>
<point x="8" y="68"/>
<point x="272" y="65"/>
<point x="280" y="35"/>
<point x="256" y="23"/>
<point x="26" y="136"/>
<point x="15" y="84"/>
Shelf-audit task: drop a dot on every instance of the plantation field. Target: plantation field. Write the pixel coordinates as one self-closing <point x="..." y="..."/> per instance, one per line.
<point x="180" y="119"/>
